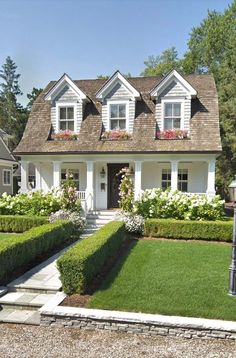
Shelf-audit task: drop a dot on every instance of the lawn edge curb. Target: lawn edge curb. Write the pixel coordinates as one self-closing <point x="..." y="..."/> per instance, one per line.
<point x="52" y="314"/>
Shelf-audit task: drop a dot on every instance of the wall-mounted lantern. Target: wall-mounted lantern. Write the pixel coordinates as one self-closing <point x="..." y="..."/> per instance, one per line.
<point x="102" y="173"/>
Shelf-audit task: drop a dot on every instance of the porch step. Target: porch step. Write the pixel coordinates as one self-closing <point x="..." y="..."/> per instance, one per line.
<point x="3" y="290"/>
<point x="94" y="221"/>
<point x="103" y="213"/>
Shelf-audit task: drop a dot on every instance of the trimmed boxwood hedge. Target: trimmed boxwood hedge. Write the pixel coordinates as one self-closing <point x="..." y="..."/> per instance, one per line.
<point x="12" y="223"/>
<point x="22" y="249"/>
<point x="189" y="230"/>
<point x="82" y="263"/>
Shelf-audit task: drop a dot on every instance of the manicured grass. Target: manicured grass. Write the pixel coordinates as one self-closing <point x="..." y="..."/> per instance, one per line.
<point x="7" y="236"/>
<point x="170" y="278"/>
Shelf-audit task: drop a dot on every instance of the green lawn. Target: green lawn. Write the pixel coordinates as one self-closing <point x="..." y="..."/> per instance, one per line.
<point x="7" y="236"/>
<point x="171" y="278"/>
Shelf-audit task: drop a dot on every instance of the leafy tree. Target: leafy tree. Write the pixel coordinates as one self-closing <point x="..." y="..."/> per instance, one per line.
<point x="212" y="49"/>
<point x="161" y="65"/>
<point x="32" y="96"/>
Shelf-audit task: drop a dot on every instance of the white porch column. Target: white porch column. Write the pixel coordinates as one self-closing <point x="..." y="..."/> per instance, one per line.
<point x="56" y="173"/>
<point x="174" y="175"/>
<point x="38" y="184"/>
<point x="137" y="179"/>
<point x="24" y="172"/>
<point x="211" y="178"/>
<point x="89" y="188"/>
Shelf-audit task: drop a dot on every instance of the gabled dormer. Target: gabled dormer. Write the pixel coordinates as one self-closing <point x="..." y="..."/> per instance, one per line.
<point x="67" y="103"/>
<point x="173" y="96"/>
<point x="118" y="99"/>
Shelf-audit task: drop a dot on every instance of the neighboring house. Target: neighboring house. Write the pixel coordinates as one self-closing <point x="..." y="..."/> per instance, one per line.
<point x="31" y="177"/>
<point x="7" y="161"/>
<point x="124" y="122"/>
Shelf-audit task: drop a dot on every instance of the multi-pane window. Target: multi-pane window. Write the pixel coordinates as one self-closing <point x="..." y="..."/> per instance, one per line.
<point x="117" y="116"/>
<point x="6" y="177"/>
<point x="172" y="115"/>
<point x="183" y="180"/>
<point x="73" y="173"/>
<point x="66" y="118"/>
<point x="165" y="178"/>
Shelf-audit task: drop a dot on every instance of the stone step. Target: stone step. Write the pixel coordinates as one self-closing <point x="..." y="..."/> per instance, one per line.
<point x="100" y="217"/>
<point x="98" y="221"/>
<point x="24" y="300"/>
<point x="33" y="289"/>
<point x="103" y="213"/>
<point x="3" y="290"/>
<point x="20" y="316"/>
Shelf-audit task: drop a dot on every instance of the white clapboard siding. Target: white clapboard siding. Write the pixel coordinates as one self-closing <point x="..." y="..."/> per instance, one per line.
<point x="67" y="95"/>
<point x="119" y="92"/>
<point x="174" y="90"/>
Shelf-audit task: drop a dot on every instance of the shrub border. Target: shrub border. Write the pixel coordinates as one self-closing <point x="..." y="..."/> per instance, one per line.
<point x="189" y="230"/>
<point x="20" y="223"/>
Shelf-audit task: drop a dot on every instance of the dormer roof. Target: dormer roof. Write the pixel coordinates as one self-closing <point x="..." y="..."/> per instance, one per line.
<point x="117" y="77"/>
<point x="60" y="84"/>
<point x="170" y="77"/>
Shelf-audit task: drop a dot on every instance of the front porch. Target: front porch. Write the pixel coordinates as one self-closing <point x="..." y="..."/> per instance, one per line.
<point x="98" y="183"/>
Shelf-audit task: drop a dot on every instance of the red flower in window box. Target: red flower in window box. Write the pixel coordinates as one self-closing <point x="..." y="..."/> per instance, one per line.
<point x="115" y="135"/>
<point x="172" y="134"/>
<point x="65" y="135"/>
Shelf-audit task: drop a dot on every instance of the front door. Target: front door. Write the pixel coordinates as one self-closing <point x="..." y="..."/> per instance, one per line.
<point x="113" y="184"/>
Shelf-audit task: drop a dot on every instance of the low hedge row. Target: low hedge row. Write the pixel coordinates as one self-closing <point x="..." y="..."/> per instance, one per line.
<point x="12" y="223"/>
<point x="82" y="263"/>
<point x="182" y="229"/>
<point x="22" y="249"/>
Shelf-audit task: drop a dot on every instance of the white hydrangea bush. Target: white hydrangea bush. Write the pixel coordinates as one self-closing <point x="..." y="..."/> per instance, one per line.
<point x="156" y="203"/>
<point x="134" y="223"/>
<point x="76" y="218"/>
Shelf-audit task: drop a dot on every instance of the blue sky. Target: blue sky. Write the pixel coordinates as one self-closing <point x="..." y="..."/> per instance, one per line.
<point x="86" y="38"/>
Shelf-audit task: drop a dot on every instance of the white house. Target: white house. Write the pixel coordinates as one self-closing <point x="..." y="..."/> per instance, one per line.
<point x="7" y="162"/>
<point x="166" y="129"/>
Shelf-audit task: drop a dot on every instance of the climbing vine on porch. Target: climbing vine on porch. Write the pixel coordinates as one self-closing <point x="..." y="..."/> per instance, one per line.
<point x="126" y="190"/>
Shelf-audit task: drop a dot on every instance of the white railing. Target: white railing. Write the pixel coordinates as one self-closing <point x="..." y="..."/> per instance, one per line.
<point x="81" y="195"/>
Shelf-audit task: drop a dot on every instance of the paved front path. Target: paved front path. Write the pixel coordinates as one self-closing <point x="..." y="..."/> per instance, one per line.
<point x="40" y="342"/>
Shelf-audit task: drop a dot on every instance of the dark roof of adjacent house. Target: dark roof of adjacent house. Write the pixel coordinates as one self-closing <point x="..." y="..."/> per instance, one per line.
<point x="204" y="124"/>
<point x="5" y="153"/>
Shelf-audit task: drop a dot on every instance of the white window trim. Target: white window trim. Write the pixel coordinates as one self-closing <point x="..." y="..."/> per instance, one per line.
<point x="61" y="105"/>
<point x="172" y="100"/>
<point x="126" y="102"/>
<point x="4" y="171"/>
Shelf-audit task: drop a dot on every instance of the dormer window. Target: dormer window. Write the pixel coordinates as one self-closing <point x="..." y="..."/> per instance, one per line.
<point x="118" y="116"/>
<point x="66" y="117"/>
<point x="172" y="115"/>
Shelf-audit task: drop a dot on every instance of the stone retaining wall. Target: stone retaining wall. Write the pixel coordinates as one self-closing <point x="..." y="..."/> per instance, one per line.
<point x="137" y="323"/>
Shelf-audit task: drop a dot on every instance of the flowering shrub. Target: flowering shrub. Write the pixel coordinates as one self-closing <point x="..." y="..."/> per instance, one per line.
<point x="126" y="190"/>
<point x="77" y="220"/>
<point x="65" y="135"/>
<point x="134" y="224"/>
<point x="172" y="134"/>
<point x="39" y="203"/>
<point x="156" y="203"/>
<point x="115" y="135"/>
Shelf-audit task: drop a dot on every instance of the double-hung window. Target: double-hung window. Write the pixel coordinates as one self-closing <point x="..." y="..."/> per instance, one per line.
<point x="118" y="116"/>
<point x="183" y="180"/>
<point x="172" y="115"/>
<point x="67" y="118"/>
<point x="165" y="178"/>
<point x="6" y="177"/>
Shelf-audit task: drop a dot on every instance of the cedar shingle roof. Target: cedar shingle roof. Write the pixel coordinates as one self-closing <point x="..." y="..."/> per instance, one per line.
<point x="204" y="124"/>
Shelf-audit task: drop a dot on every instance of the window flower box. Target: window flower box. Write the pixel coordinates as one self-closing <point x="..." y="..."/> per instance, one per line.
<point x="172" y="134"/>
<point x="65" y="135"/>
<point x="115" y="135"/>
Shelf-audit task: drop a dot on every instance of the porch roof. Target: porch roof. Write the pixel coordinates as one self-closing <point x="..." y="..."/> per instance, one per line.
<point x="204" y="124"/>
